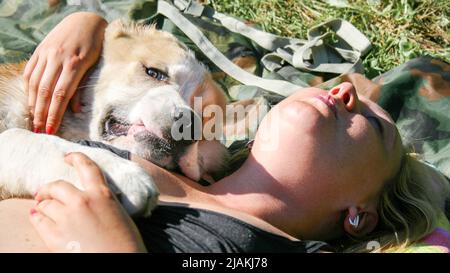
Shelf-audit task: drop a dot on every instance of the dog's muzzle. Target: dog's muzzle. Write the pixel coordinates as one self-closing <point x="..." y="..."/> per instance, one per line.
<point x="185" y="130"/>
<point x="167" y="147"/>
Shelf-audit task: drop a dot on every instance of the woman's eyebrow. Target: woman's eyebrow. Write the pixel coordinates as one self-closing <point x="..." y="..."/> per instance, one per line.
<point x="383" y="129"/>
<point x="392" y="136"/>
<point x="383" y="118"/>
<point x="388" y="135"/>
<point x="391" y="132"/>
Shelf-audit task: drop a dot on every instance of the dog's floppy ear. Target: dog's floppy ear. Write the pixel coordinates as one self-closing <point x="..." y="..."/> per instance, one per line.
<point x="122" y="28"/>
<point x="117" y="29"/>
<point x="211" y="94"/>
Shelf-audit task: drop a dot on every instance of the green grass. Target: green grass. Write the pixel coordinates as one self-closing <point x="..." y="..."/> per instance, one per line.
<point x="399" y="30"/>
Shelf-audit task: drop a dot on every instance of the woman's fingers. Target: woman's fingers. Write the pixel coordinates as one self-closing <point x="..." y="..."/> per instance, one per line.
<point x="44" y="93"/>
<point x="62" y="191"/>
<point x="27" y="72"/>
<point x="46" y="228"/>
<point x="64" y="89"/>
<point x="51" y="208"/>
<point x="34" y="82"/>
<point x="90" y="175"/>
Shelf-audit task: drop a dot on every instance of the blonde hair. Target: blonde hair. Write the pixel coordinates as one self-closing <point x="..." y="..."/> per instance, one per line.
<point x="409" y="206"/>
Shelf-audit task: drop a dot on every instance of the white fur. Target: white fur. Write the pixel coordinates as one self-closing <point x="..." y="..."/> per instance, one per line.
<point x="188" y="74"/>
<point x="42" y="156"/>
<point x="13" y="110"/>
<point x="29" y="160"/>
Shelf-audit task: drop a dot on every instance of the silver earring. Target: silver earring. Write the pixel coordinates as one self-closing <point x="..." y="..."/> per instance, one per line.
<point x="355" y="221"/>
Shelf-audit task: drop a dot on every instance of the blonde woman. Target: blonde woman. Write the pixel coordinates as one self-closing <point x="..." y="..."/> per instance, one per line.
<point x="325" y="165"/>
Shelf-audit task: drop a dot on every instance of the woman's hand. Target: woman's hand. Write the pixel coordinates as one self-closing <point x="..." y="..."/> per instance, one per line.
<point x="57" y="66"/>
<point x="68" y="219"/>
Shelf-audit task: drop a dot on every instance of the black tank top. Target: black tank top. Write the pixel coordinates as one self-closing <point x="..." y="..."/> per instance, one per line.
<point x="190" y="230"/>
<point x="180" y="229"/>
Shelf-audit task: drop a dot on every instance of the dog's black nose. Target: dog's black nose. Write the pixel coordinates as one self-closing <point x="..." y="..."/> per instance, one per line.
<point x="187" y="126"/>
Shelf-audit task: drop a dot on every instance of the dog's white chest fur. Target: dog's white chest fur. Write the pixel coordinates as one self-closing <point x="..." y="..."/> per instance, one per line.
<point x="128" y="101"/>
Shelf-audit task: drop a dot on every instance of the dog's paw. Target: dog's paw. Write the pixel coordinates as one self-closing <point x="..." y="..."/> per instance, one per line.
<point x="138" y="193"/>
<point x="132" y="184"/>
<point x="42" y="156"/>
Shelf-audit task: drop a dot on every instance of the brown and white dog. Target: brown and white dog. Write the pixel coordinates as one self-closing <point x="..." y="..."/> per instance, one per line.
<point x="142" y="88"/>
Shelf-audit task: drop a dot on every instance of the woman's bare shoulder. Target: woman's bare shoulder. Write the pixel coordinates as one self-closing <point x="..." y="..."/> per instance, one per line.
<point x="16" y="232"/>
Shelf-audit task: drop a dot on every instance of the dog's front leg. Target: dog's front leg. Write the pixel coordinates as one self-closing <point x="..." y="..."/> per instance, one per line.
<point x="29" y="160"/>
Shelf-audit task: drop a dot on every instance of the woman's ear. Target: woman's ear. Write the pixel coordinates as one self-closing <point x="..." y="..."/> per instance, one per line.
<point x="359" y="223"/>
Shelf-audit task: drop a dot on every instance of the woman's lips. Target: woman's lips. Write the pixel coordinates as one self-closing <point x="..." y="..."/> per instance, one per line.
<point x="330" y="102"/>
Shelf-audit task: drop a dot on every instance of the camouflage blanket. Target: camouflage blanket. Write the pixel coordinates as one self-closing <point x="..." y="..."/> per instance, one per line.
<point x="416" y="94"/>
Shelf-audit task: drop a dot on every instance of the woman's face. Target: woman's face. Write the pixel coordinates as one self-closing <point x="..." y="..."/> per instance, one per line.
<point x="332" y="149"/>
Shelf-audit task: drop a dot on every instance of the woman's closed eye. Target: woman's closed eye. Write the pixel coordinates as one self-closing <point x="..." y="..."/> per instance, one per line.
<point x="376" y="123"/>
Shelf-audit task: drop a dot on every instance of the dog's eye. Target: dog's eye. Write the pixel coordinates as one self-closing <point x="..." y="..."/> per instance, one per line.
<point x="156" y="74"/>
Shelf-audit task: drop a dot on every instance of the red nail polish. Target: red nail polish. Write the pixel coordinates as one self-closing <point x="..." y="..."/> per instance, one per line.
<point x="50" y="130"/>
<point x="35" y="130"/>
<point x="33" y="211"/>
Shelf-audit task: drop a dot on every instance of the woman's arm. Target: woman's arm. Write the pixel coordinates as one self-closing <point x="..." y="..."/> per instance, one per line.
<point x="57" y="66"/>
<point x="18" y="235"/>
<point x="16" y="232"/>
<point x="70" y="220"/>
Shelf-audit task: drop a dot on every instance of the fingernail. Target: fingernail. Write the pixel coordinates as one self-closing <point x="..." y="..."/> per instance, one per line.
<point x="50" y="130"/>
<point x="33" y="211"/>
<point x="35" y="130"/>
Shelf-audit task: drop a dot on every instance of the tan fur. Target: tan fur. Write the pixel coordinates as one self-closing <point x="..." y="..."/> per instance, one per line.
<point x="150" y="47"/>
<point x="8" y="71"/>
<point x="4" y="194"/>
<point x="211" y="94"/>
<point x="13" y="100"/>
<point x="120" y="82"/>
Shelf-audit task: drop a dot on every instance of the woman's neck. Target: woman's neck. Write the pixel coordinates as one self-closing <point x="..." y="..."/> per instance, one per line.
<point x="252" y="190"/>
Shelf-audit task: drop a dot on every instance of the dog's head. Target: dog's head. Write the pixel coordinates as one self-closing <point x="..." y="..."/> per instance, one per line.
<point x="144" y="100"/>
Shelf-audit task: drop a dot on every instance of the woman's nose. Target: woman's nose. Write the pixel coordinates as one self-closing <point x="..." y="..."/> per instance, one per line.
<point x="346" y="93"/>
